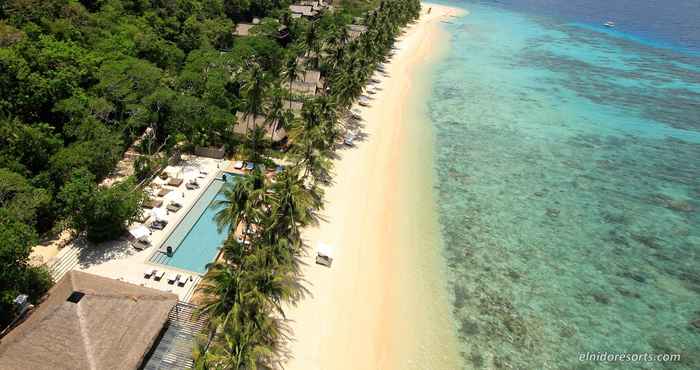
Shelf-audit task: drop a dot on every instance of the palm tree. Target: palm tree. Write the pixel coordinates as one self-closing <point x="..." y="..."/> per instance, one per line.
<point x="276" y="116"/>
<point x="293" y="204"/>
<point x="291" y="71"/>
<point x="242" y="202"/>
<point x="254" y="89"/>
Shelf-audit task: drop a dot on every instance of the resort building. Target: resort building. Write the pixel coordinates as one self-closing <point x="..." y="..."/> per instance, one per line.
<point x="93" y="322"/>
<point x="308" y="8"/>
<point x="244" y="29"/>
<point x="355" y="30"/>
<point x="245" y="124"/>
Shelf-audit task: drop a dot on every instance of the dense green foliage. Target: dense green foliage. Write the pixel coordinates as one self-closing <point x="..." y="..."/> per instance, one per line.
<point x="83" y="80"/>
<point x="16" y="275"/>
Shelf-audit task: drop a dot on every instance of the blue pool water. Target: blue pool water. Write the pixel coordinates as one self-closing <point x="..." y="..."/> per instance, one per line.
<point x="568" y="164"/>
<point x="197" y="236"/>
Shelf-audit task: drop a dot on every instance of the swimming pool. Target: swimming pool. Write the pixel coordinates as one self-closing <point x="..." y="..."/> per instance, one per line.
<point x="196" y="239"/>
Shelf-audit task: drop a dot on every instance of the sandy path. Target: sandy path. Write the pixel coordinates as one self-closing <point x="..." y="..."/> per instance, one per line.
<point x="382" y="305"/>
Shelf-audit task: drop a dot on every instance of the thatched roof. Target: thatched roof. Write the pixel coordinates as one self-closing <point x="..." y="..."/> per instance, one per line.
<point x="355" y="30"/>
<point x="243" y="29"/>
<point x="112" y="326"/>
<point x="305" y="10"/>
<point x="303" y="88"/>
<point x="310" y="76"/>
<point x="243" y="125"/>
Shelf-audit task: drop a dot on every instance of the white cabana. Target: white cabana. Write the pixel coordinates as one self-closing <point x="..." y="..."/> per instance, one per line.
<point x="190" y="173"/>
<point x="139" y="232"/>
<point x="173" y="171"/>
<point x="324" y="254"/>
<point x="174" y="196"/>
<point x="159" y="214"/>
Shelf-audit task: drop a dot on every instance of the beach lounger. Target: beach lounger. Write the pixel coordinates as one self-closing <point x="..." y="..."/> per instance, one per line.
<point x="163" y="175"/>
<point x="141" y="244"/>
<point x="348" y="140"/>
<point x="158" y="224"/>
<point x="149" y="273"/>
<point x="174" y="207"/>
<point x="152" y="203"/>
<point x="175" y="182"/>
<point x="183" y="282"/>
<point x="192" y="186"/>
<point x="249" y="166"/>
<point x="163" y="192"/>
<point x="173" y="280"/>
<point x="238" y="165"/>
<point x="158" y="275"/>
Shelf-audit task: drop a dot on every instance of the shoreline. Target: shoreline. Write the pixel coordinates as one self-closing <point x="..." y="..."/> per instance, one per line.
<point x="383" y="304"/>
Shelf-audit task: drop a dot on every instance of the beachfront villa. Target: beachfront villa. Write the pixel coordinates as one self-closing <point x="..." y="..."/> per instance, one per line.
<point x="245" y="124"/>
<point x="93" y="322"/>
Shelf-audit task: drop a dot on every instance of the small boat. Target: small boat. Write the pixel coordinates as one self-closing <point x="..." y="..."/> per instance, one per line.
<point x="609" y="24"/>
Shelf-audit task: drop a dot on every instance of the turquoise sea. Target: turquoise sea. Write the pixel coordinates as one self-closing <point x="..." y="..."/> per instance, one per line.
<point x="568" y="182"/>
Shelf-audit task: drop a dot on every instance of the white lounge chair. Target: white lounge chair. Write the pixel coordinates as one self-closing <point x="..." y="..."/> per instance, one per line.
<point x="183" y="282"/>
<point x="238" y="165"/>
<point x="173" y="279"/>
<point x="159" y="275"/>
<point x="324" y="255"/>
<point x="149" y="273"/>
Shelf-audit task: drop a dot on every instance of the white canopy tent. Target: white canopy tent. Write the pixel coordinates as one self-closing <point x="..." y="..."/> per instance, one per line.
<point x="324" y="254"/>
<point x="159" y="214"/>
<point x="139" y="232"/>
<point x="175" y="196"/>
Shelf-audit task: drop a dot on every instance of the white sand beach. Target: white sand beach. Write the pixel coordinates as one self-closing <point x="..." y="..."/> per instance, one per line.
<point x="382" y="304"/>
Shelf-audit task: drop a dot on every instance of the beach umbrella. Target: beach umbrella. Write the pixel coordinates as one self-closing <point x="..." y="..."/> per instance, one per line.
<point x="190" y="173"/>
<point x="173" y="196"/>
<point x="139" y="232"/>
<point x="159" y="214"/>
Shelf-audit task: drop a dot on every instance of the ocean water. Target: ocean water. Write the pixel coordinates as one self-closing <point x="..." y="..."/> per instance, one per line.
<point x="568" y="182"/>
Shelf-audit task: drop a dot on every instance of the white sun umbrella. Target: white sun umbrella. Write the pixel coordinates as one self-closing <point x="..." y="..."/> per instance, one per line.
<point x="159" y="214"/>
<point x="175" y="195"/>
<point x="190" y="173"/>
<point x="139" y="232"/>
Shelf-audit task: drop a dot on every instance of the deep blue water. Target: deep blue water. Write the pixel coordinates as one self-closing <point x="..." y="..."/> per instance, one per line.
<point x="568" y="162"/>
<point x="662" y="23"/>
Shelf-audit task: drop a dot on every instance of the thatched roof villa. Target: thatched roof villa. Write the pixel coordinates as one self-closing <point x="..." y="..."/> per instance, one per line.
<point x="244" y="124"/>
<point x="89" y="322"/>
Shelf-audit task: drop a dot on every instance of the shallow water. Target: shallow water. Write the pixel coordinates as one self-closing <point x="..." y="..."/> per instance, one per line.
<point x="568" y="183"/>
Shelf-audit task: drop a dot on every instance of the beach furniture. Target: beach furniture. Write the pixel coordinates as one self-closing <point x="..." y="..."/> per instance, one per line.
<point x="163" y="175"/>
<point x="163" y="192"/>
<point x="238" y="165"/>
<point x="149" y="273"/>
<point x="174" y="206"/>
<point x="324" y="255"/>
<point x="249" y="166"/>
<point x="192" y="185"/>
<point x="175" y="182"/>
<point x="152" y="203"/>
<point x="356" y="114"/>
<point x="172" y="280"/>
<point x="158" y="224"/>
<point x="182" y="282"/>
<point x="141" y="244"/>
<point x="158" y="275"/>
<point x="349" y="138"/>
<point x="279" y="168"/>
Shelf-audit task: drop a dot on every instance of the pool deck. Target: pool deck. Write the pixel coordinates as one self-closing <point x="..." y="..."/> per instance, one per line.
<point x="119" y="260"/>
